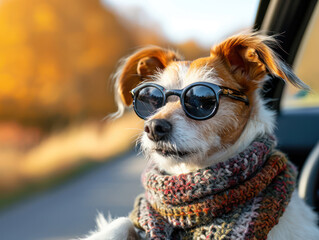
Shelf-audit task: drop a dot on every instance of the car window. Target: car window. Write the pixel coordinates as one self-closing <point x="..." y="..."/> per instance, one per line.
<point x="307" y="69"/>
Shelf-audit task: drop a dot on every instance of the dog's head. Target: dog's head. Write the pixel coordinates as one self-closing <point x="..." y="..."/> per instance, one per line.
<point x="175" y="135"/>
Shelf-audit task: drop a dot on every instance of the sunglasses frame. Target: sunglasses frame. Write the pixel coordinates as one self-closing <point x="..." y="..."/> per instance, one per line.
<point x="218" y="90"/>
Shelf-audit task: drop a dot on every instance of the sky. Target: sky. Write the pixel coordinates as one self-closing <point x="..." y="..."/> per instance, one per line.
<point x="205" y="21"/>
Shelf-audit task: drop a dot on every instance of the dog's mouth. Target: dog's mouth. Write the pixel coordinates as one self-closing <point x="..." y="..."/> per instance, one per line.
<point x="172" y="153"/>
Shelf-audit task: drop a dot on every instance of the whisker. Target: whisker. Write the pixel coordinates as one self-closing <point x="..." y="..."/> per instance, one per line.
<point x="135" y="136"/>
<point x="134" y="129"/>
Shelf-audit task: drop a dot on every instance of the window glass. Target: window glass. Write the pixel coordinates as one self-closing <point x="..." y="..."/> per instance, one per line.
<point x="307" y="69"/>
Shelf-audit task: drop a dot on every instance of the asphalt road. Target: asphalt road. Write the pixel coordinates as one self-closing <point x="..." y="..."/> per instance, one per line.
<point x="69" y="210"/>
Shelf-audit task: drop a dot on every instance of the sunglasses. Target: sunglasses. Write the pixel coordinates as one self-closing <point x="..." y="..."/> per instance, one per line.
<point x="199" y="100"/>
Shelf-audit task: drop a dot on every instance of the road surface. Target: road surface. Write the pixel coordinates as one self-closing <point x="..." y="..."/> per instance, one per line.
<point x="69" y="210"/>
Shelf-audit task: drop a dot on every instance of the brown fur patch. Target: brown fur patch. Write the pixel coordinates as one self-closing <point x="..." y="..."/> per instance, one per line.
<point x="130" y="75"/>
<point x="249" y="59"/>
<point x="230" y="133"/>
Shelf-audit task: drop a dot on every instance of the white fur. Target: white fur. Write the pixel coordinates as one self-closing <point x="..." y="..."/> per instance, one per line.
<point x="117" y="229"/>
<point x="179" y="75"/>
<point x="298" y="221"/>
<point x="181" y="139"/>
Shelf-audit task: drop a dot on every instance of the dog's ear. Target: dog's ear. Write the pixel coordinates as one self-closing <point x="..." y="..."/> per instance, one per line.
<point x="248" y="56"/>
<point x="139" y="67"/>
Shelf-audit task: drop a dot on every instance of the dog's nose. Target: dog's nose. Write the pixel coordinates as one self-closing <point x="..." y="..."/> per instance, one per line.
<point x="157" y="129"/>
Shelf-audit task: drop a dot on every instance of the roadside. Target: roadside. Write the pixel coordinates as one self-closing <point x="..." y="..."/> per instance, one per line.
<point x="64" y="155"/>
<point x="69" y="210"/>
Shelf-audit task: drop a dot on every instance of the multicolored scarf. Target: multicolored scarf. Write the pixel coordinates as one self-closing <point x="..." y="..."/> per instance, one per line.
<point x="242" y="198"/>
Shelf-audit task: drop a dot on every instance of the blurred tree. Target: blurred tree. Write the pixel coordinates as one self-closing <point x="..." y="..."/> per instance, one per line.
<point x="55" y="59"/>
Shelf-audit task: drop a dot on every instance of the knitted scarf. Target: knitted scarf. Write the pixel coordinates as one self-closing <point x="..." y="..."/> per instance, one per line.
<point x="242" y="198"/>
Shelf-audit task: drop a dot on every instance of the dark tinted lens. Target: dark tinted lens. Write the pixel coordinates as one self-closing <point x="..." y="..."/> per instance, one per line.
<point x="148" y="100"/>
<point x="200" y="101"/>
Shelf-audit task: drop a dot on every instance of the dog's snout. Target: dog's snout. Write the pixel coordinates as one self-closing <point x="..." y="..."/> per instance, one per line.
<point x="157" y="129"/>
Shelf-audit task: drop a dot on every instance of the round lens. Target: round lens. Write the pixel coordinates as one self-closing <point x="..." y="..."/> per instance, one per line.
<point x="148" y="100"/>
<point x="200" y="101"/>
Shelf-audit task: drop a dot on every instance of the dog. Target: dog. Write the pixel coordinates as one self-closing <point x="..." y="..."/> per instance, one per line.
<point x="208" y="138"/>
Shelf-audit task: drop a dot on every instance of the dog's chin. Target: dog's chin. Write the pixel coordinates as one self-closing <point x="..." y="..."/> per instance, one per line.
<point x="174" y="162"/>
<point x="176" y="154"/>
<point x="166" y="149"/>
<point x="172" y="158"/>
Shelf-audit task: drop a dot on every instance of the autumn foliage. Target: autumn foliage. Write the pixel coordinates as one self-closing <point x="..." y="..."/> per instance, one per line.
<point x="56" y="58"/>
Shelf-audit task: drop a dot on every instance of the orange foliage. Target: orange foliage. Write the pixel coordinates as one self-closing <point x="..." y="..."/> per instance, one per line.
<point x="56" y="58"/>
